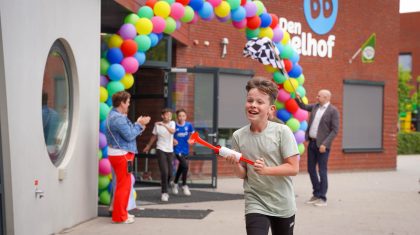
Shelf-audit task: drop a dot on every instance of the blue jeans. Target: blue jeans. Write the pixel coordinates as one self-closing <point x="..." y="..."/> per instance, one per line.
<point x="319" y="184"/>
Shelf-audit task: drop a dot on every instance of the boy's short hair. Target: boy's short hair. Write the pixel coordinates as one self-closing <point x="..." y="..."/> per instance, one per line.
<point x="120" y="97"/>
<point x="266" y="86"/>
<point x="181" y="111"/>
<point x="166" y="110"/>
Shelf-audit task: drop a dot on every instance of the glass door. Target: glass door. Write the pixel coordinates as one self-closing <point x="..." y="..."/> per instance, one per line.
<point x="195" y="90"/>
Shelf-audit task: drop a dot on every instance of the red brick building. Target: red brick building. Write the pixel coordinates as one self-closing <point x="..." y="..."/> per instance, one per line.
<point x="199" y="45"/>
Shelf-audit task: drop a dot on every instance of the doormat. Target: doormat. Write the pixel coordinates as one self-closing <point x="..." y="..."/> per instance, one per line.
<point x="160" y="213"/>
<point x="152" y="196"/>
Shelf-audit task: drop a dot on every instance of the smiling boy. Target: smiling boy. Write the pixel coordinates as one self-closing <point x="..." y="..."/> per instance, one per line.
<point x="268" y="188"/>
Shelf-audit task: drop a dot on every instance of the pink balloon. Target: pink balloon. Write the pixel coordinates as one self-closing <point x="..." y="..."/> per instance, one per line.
<point x="240" y="24"/>
<point x="130" y="64"/>
<point x="277" y="34"/>
<point x="301" y="115"/>
<point x="104" y="166"/>
<point x="283" y="96"/>
<point x="214" y="3"/>
<point x="194" y="20"/>
<point x="159" y="24"/>
<point x="177" y="10"/>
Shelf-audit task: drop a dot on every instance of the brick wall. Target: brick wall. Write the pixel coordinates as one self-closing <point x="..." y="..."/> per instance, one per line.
<point x="410" y="38"/>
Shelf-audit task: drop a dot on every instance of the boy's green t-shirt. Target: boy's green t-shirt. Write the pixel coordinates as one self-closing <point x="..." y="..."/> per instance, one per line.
<point x="268" y="195"/>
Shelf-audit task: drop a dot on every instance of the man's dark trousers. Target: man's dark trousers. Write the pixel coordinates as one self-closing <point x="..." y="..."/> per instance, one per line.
<point x="319" y="185"/>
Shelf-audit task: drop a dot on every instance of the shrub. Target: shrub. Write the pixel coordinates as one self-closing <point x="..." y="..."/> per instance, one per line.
<point x="409" y="143"/>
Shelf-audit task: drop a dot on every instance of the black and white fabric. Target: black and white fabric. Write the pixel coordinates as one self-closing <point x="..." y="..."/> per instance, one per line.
<point x="263" y="50"/>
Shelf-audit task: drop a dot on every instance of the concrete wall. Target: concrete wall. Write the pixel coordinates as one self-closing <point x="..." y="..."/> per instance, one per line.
<point x="28" y="30"/>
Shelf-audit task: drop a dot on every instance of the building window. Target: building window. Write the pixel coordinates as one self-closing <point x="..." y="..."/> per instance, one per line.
<point x="56" y="103"/>
<point x="363" y="116"/>
<point x="405" y="62"/>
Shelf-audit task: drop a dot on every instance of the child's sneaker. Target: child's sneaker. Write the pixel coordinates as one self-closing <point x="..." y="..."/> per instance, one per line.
<point x="186" y="190"/>
<point x="165" y="197"/>
<point x="174" y="187"/>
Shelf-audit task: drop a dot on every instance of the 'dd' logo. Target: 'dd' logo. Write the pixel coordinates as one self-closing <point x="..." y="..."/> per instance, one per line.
<point x="321" y="14"/>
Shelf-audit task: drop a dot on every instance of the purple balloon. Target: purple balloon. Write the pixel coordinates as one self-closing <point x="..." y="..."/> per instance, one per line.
<point x="128" y="31"/>
<point x="223" y="19"/>
<point x="102" y="140"/>
<point x="103" y="81"/>
<point x="251" y="9"/>
<point x="277" y="34"/>
<point x="299" y="136"/>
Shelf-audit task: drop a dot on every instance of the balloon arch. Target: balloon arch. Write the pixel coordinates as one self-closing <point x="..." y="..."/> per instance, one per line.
<point x="124" y="52"/>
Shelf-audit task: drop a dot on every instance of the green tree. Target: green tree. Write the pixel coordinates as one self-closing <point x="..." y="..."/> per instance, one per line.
<point x="404" y="91"/>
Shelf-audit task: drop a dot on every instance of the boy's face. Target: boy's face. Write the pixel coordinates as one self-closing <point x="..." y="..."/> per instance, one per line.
<point x="166" y="117"/>
<point x="181" y="117"/>
<point x="257" y="107"/>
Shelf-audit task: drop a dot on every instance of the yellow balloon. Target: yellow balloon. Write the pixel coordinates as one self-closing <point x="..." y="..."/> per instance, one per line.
<point x="115" y="41"/>
<point x="270" y="69"/>
<point x="223" y="9"/>
<point x="286" y="38"/>
<point x="266" y="32"/>
<point x="305" y="100"/>
<point x="110" y="176"/>
<point x="290" y="85"/>
<point x="103" y="94"/>
<point x="127" y="80"/>
<point x="162" y="9"/>
<point x="144" y="26"/>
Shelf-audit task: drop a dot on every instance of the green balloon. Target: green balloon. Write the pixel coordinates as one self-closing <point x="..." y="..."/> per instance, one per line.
<point x="301" y="91"/>
<point x="188" y="15"/>
<point x="114" y="87"/>
<point x="279" y="78"/>
<point x="279" y="105"/>
<point x="145" y="12"/>
<point x="252" y="33"/>
<point x="105" y="197"/>
<point x="143" y="43"/>
<point x="169" y="1"/>
<point x="100" y="154"/>
<point x="234" y="4"/>
<point x="287" y="52"/>
<point x="260" y="7"/>
<point x="301" y="148"/>
<point x="104" y="66"/>
<point x="170" y="25"/>
<point x="131" y="19"/>
<point x="294" y="124"/>
<point x="301" y="79"/>
<point x="103" y="182"/>
<point x="103" y="111"/>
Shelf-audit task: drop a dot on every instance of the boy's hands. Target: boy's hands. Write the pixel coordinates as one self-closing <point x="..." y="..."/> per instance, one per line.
<point x="260" y="167"/>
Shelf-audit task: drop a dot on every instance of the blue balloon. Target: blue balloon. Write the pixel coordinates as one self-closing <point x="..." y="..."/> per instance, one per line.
<point x="238" y="14"/>
<point x="196" y="4"/>
<point x="206" y="11"/>
<point x="265" y="20"/>
<point x="116" y="72"/>
<point x="295" y="57"/>
<point x="109" y="101"/>
<point x="296" y="71"/>
<point x="114" y="55"/>
<point x="140" y="57"/>
<point x="160" y="36"/>
<point x="105" y="152"/>
<point x="283" y="115"/>
<point x="102" y="126"/>
<point x="279" y="46"/>
<point x="154" y="39"/>
<point x="303" y="126"/>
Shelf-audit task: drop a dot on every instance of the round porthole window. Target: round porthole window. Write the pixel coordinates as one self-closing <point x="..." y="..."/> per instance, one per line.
<point x="56" y="102"/>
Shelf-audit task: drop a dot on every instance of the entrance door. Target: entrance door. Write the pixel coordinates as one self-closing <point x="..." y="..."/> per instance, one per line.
<point x="195" y="90"/>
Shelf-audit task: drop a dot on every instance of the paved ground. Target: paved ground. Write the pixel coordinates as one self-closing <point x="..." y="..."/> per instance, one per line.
<point x="378" y="202"/>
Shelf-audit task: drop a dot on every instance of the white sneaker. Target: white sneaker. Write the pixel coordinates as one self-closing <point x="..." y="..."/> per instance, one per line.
<point x="186" y="190"/>
<point x="320" y="202"/>
<point x="129" y="220"/>
<point x="165" y="197"/>
<point x="130" y="215"/>
<point x="174" y="188"/>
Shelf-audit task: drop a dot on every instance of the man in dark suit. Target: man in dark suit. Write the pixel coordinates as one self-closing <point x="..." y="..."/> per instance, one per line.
<point x="322" y="128"/>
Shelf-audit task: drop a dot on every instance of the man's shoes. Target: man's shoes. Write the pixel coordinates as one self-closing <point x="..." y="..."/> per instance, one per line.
<point x="186" y="190"/>
<point x="165" y="197"/>
<point x="129" y="220"/>
<point x="312" y="200"/>
<point x="174" y="187"/>
<point x="320" y="203"/>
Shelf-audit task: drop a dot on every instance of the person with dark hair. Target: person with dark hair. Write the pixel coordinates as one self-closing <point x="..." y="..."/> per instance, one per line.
<point x="121" y="135"/>
<point x="322" y="128"/>
<point x="268" y="187"/>
<point x="183" y="130"/>
<point x="164" y="131"/>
